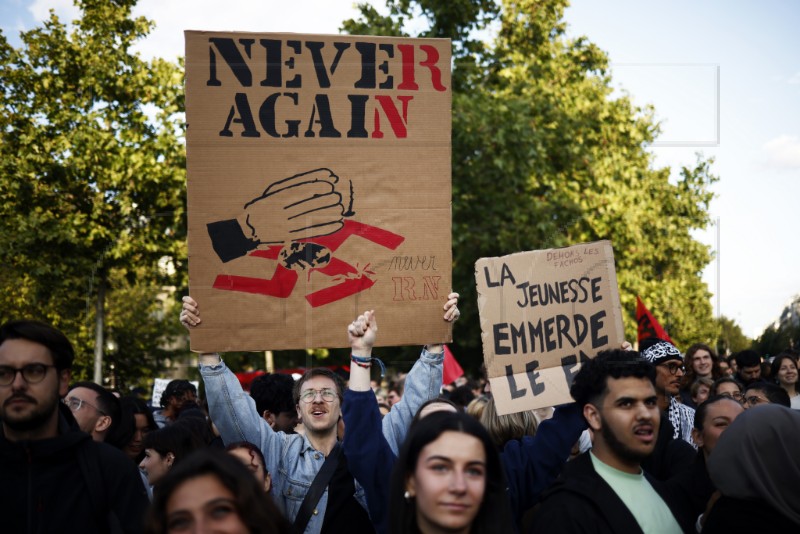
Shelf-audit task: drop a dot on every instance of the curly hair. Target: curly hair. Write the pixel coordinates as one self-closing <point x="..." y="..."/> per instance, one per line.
<point x="591" y="383"/>
<point x="273" y="392"/>
<point x="690" y="376"/>
<point x="177" y="388"/>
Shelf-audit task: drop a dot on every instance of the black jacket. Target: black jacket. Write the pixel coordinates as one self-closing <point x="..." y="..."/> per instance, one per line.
<point x="671" y="456"/>
<point x="731" y="515"/>
<point x="68" y="484"/>
<point x="580" y="501"/>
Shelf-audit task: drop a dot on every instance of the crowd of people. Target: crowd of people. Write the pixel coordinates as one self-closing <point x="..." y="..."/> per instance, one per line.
<point x="656" y="440"/>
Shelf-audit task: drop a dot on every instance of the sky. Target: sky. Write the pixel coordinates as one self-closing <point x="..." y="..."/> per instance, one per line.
<point x="723" y="75"/>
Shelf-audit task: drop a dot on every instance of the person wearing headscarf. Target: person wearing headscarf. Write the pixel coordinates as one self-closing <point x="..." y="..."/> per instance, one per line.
<point x="756" y="468"/>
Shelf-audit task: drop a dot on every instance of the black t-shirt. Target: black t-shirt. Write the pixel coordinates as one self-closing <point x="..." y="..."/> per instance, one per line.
<point x="343" y="513"/>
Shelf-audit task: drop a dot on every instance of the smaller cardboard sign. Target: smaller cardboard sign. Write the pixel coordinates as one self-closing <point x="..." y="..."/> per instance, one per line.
<point x="542" y="314"/>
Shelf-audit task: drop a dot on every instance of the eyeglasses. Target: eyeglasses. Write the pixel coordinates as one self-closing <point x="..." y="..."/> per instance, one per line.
<point x="328" y="395"/>
<point x="753" y="400"/>
<point x="673" y="368"/>
<point x="735" y="395"/>
<point x="75" y="404"/>
<point x="33" y="373"/>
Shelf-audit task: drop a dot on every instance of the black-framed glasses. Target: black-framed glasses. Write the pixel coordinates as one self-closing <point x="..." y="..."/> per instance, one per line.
<point x="327" y="394"/>
<point x="734" y="395"/>
<point x="673" y="368"/>
<point x="754" y="400"/>
<point x="75" y="404"/>
<point x="33" y="373"/>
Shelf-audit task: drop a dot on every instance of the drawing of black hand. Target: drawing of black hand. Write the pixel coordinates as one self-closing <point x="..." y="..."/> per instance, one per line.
<point x="302" y="206"/>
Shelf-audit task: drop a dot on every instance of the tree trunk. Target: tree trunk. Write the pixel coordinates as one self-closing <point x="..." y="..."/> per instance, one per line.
<point x="99" y="342"/>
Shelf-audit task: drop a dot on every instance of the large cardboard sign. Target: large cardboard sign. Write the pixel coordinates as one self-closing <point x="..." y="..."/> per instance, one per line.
<point x="542" y="314"/>
<point x="318" y="187"/>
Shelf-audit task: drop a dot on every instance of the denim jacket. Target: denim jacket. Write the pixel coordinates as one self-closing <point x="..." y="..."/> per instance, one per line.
<point x="291" y="459"/>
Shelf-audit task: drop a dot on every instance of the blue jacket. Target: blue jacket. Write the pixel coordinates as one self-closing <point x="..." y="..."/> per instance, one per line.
<point x="530" y="464"/>
<point x="291" y="459"/>
<point x="534" y="462"/>
<point x="369" y="456"/>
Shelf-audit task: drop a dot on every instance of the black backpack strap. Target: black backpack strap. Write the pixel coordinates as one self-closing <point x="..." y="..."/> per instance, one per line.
<point x="316" y="490"/>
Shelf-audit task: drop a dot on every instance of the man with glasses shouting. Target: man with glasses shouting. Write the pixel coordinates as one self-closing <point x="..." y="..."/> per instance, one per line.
<point x="312" y="484"/>
<point x="55" y="478"/>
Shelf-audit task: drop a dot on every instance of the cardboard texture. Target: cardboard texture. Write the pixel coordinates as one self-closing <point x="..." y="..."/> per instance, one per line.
<point x="542" y="313"/>
<point x="318" y="187"/>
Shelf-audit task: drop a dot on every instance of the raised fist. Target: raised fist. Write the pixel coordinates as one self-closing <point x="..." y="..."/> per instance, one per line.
<point x="309" y="203"/>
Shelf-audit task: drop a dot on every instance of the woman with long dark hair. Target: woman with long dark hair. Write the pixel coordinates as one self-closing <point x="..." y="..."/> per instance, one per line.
<point x="448" y="476"/>
<point x="212" y="491"/>
<point x="785" y="373"/>
<point x="143" y="424"/>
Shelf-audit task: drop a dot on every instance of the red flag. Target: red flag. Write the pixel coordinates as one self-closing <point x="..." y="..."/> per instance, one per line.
<point x="452" y="369"/>
<point x="648" y="326"/>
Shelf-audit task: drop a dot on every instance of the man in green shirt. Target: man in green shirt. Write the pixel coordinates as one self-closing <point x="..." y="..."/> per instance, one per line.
<point x="605" y="489"/>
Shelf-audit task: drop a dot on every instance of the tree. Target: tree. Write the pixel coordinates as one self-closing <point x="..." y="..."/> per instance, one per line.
<point x="92" y="191"/>
<point x="784" y="334"/>
<point x="544" y="156"/>
<point x="731" y="338"/>
<point x="776" y="339"/>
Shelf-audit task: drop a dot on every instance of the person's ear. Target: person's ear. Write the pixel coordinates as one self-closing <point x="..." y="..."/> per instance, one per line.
<point x="411" y="486"/>
<point x="170" y="459"/>
<point x="269" y="417"/>
<point x="64" y="376"/>
<point x="592" y="415"/>
<point x="103" y="423"/>
<point x="267" y="483"/>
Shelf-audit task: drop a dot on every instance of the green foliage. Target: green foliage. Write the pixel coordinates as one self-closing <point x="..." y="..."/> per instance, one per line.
<point x="544" y="156"/>
<point x="731" y="339"/>
<point x="92" y="189"/>
<point x="784" y="334"/>
<point x="777" y="339"/>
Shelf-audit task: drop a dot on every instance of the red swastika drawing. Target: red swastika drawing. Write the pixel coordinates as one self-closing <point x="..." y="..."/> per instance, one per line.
<point x="313" y="255"/>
